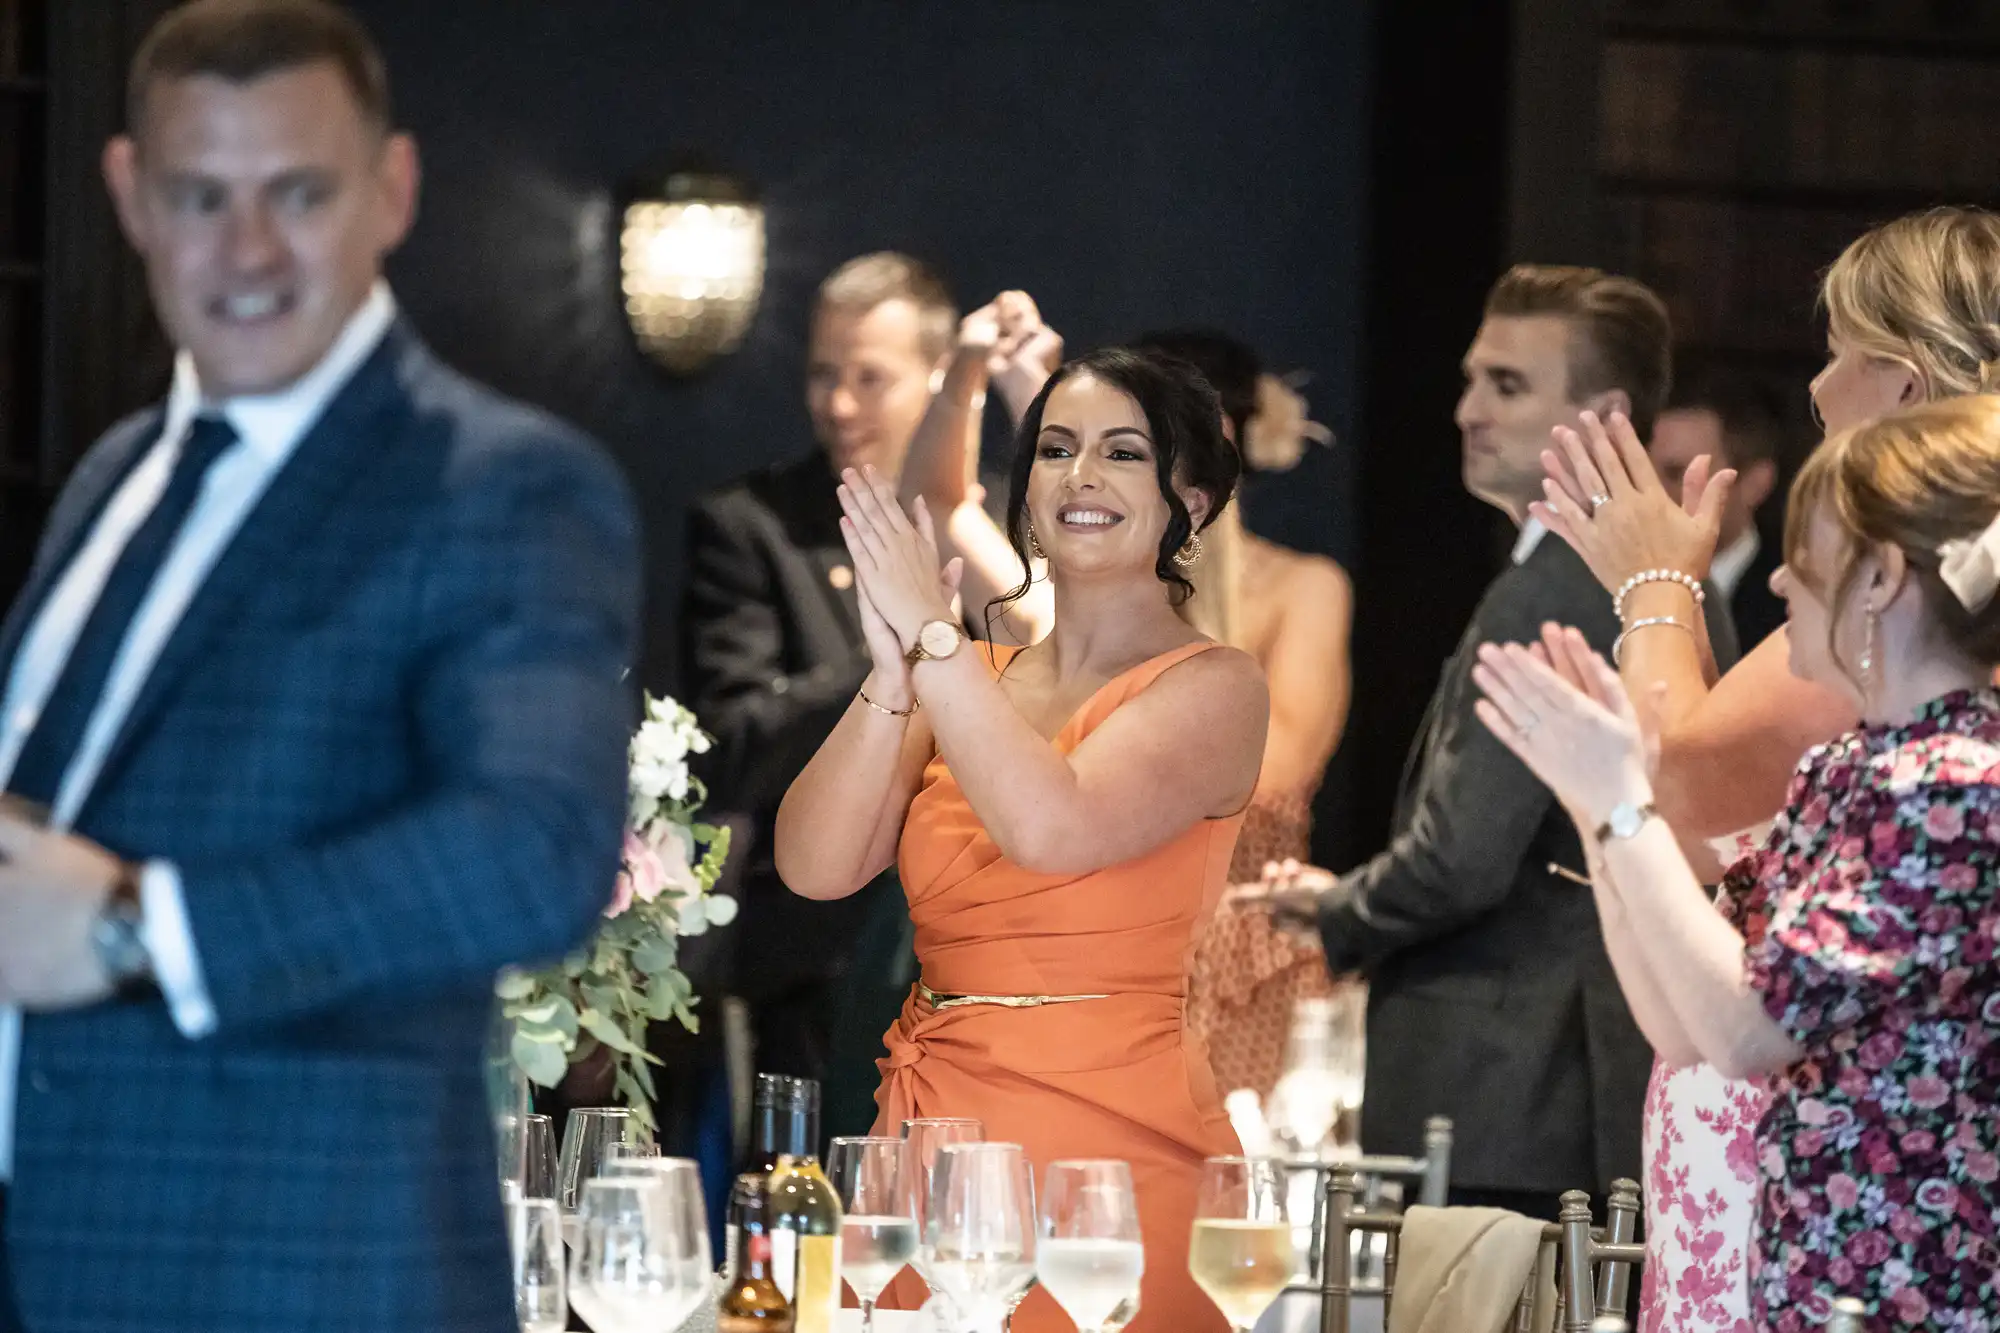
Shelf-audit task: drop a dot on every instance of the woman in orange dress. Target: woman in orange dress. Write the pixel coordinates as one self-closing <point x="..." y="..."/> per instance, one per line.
<point x="1063" y="815"/>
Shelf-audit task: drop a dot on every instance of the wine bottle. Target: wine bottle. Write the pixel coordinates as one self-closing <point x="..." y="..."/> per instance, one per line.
<point x="804" y="1211"/>
<point x="751" y="1301"/>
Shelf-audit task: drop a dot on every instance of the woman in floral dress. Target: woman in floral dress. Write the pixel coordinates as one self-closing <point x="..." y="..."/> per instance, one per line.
<point x="1853" y="963"/>
<point x="1913" y="315"/>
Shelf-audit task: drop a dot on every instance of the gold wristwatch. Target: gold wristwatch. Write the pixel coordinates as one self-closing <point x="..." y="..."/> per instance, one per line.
<point x="936" y="640"/>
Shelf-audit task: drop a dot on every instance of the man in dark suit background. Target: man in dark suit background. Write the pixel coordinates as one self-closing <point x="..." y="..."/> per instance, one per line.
<point x="1731" y="418"/>
<point x="318" y="676"/>
<point x="772" y="654"/>
<point x="1491" y="998"/>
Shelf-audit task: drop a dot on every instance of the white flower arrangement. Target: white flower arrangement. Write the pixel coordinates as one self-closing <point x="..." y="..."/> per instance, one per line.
<point x="606" y="994"/>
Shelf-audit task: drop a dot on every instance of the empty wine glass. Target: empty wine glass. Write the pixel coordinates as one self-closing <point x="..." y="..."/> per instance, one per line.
<point x="878" y="1232"/>
<point x="587" y="1141"/>
<point x="981" y="1237"/>
<point x="534" y="1230"/>
<point x="528" y="1158"/>
<point x="1090" y="1258"/>
<point x="1241" y="1252"/>
<point x="641" y="1261"/>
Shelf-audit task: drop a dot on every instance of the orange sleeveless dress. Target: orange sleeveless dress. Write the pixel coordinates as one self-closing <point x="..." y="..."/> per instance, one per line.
<point x="1117" y="1077"/>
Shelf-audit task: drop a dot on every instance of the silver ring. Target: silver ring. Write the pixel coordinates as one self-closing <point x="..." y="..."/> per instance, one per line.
<point x="1598" y="501"/>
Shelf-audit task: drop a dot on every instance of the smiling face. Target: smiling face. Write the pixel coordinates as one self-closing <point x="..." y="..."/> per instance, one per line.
<point x="263" y="210"/>
<point x="1094" y="489"/>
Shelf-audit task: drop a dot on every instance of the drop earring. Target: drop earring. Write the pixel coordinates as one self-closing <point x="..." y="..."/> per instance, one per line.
<point x="1035" y="544"/>
<point x="1190" y="554"/>
<point x="1868" y="654"/>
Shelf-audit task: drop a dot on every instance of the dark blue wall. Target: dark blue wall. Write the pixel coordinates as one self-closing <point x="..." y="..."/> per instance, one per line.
<point x="1133" y="163"/>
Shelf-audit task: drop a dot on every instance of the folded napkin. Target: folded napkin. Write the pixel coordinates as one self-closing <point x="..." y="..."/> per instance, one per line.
<point x="1461" y="1270"/>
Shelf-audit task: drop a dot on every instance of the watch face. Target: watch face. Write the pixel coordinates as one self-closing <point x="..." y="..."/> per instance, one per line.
<point x="1627" y="820"/>
<point x="938" y="639"/>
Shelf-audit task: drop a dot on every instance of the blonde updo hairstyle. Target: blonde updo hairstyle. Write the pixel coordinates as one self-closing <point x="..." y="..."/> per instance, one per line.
<point x="1924" y="291"/>
<point x="1919" y="480"/>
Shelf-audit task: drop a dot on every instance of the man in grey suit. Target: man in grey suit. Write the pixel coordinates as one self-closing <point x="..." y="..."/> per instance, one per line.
<point x="1491" y="998"/>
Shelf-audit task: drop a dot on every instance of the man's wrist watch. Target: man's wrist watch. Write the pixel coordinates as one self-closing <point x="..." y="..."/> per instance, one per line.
<point x="936" y="640"/>
<point x="119" y="936"/>
<point x="1625" y="821"/>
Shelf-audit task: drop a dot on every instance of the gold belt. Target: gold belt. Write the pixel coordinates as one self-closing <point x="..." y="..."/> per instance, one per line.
<point x="939" y="1000"/>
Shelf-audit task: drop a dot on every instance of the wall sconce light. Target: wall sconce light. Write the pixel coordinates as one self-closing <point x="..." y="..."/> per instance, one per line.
<point x="691" y="264"/>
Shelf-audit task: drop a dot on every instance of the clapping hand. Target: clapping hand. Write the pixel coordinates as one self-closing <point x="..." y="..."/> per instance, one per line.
<point x="1574" y="727"/>
<point x="53" y="888"/>
<point x="1605" y="499"/>
<point x="1026" y="352"/>
<point x="895" y="560"/>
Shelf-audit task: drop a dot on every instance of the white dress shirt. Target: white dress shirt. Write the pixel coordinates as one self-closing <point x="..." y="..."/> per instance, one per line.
<point x="1528" y="539"/>
<point x="269" y="428"/>
<point x="1733" y="561"/>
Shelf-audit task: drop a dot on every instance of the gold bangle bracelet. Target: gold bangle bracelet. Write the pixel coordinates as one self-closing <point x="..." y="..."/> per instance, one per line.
<point x="889" y="711"/>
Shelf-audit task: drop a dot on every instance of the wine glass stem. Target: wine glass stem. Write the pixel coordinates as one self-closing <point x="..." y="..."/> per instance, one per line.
<point x="867" y="1317"/>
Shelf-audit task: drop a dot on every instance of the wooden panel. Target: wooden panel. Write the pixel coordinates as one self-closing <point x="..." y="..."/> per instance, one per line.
<point x="1740" y="275"/>
<point x="1811" y="120"/>
<point x="1947" y="26"/>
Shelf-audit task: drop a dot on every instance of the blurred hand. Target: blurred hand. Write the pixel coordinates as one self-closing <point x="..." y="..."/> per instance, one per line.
<point x="53" y="888"/>
<point x="1290" y="893"/>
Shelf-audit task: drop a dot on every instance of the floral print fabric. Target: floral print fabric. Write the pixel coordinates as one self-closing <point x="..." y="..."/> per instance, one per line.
<point x="1871" y="927"/>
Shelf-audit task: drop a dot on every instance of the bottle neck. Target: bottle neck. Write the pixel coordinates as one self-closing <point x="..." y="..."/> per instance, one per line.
<point x="785" y="1131"/>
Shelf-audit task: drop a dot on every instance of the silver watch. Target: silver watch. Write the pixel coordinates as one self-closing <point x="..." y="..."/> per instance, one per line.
<point x="118" y="935"/>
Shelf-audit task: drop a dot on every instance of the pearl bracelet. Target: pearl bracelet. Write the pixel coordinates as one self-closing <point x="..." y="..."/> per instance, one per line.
<point x="1688" y="581"/>
<point x="1644" y="622"/>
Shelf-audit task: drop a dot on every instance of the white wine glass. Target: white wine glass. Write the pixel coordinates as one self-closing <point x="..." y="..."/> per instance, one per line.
<point x="1241" y="1252"/>
<point x="878" y="1231"/>
<point x="534" y="1232"/>
<point x="982" y="1231"/>
<point x="1090" y="1258"/>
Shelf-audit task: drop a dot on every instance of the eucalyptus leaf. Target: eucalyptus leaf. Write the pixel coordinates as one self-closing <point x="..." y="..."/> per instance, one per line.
<point x="656" y="956"/>
<point x="514" y="984"/>
<point x="538" y="1014"/>
<point x="608" y="1032"/>
<point x="543" y="1063"/>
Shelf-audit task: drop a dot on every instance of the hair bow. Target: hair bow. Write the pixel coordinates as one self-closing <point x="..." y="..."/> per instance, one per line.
<point x="1970" y="567"/>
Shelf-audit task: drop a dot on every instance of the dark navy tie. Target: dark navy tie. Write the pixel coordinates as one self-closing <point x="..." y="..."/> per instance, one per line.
<point x="51" y="747"/>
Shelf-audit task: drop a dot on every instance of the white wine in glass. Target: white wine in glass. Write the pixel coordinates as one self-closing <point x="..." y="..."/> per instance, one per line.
<point x="1241" y="1252"/>
<point x="878" y="1232"/>
<point x="1090" y="1258"/>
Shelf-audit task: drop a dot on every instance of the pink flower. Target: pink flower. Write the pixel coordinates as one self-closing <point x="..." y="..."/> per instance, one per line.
<point x="1906" y="1227"/>
<point x="1918" y="1142"/>
<point x="1842" y="1190"/>
<point x="1929" y="1091"/>
<point x="1841" y="1272"/>
<point x="641" y="874"/>
<point x="1911" y="1307"/>
<point x="1879" y="1051"/>
<point x="1869" y="1248"/>
<point x="1808" y="1142"/>
<point x="1983" y="1167"/>
<point x="1945" y="823"/>
<point x="1958" y="878"/>
<point x="1937" y="1195"/>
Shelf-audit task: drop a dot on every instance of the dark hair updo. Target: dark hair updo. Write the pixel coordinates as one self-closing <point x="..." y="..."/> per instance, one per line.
<point x="1184" y="418"/>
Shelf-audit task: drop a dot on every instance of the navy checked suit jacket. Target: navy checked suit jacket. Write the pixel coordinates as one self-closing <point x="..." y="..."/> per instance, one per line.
<point x="386" y="749"/>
